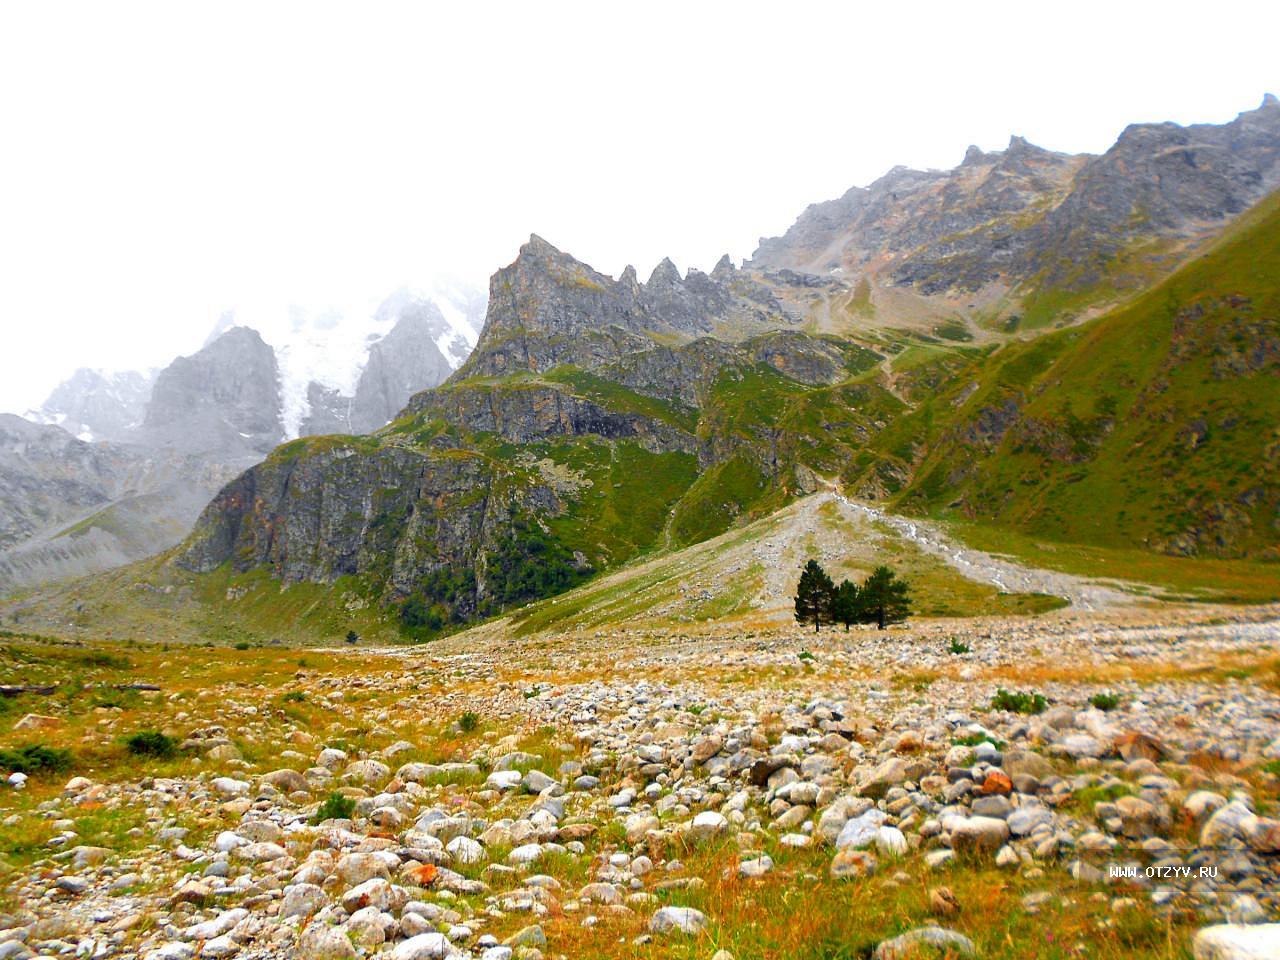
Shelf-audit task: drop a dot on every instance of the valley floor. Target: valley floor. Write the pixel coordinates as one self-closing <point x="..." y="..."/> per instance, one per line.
<point x="748" y="788"/>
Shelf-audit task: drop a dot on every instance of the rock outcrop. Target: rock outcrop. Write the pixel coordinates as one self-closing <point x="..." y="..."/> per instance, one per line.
<point x="547" y="309"/>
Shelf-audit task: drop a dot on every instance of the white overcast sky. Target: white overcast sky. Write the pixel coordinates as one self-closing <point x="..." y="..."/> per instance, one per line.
<point x="162" y="163"/>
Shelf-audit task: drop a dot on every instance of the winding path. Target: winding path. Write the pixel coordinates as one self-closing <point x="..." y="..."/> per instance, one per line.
<point x="1005" y="575"/>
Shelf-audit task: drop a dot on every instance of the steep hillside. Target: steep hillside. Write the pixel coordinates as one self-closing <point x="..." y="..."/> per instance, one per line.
<point x="1153" y="426"/>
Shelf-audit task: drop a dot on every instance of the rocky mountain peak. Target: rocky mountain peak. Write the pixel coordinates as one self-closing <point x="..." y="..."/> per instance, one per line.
<point x="97" y="405"/>
<point x="1039" y="219"/>
<point x="724" y="269"/>
<point x="538" y="249"/>
<point x="665" y="273"/>
<point x="223" y="397"/>
<point x="546" y="308"/>
<point x="400" y="364"/>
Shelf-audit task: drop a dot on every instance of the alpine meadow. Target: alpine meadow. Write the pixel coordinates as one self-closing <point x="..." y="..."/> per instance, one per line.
<point x="905" y="587"/>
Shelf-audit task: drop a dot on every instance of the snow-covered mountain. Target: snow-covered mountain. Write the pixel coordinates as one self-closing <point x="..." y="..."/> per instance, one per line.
<point x="345" y="371"/>
<point x="95" y="404"/>
<point x="151" y="448"/>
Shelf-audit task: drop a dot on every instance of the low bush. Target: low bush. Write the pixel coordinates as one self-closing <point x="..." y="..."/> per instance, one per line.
<point x="151" y="743"/>
<point x="1104" y="701"/>
<point x="1019" y="701"/>
<point x="335" y="807"/>
<point x="34" y="759"/>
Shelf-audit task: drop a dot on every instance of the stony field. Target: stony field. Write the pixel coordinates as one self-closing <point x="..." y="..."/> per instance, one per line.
<point x="739" y="790"/>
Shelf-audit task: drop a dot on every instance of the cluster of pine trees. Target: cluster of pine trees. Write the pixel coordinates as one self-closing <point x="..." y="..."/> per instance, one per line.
<point x="883" y="598"/>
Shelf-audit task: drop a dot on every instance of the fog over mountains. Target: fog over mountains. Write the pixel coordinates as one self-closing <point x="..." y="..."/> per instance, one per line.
<point x="116" y="465"/>
<point x="328" y="373"/>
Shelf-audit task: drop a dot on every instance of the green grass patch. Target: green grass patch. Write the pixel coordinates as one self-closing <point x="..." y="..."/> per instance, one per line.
<point x="35" y="759"/>
<point x="1019" y="701"/>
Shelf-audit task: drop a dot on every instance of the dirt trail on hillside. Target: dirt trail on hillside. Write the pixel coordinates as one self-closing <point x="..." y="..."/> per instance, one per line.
<point x="1005" y="575"/>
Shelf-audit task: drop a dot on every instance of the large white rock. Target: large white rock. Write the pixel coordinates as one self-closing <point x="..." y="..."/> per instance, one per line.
<point x="528" y="853"/>
<point x="504" y="780"/>
<point x="465" y="850"/>
<point x="1235" y="821"/>
<point x="216" y="927"/>
<point x="321" y="942"/>
<point x="1230" y="941"/>
<point x="230" y="787"/>
<point x="861" y="831"/>
<point x="678" y="920"/>
<point x="708" y="824"/>
<point x="302" y="900"/>
<point x="425" y="946"/>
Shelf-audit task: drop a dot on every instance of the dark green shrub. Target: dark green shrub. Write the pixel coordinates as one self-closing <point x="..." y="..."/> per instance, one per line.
<point x="335" y="807"/>
<point x="957" y="647"/>
<point x="35" y="758"/>
<point x="1104" y="701"/>
<point x="353" y="637"/>
<point x="242" y="645"/>
<point x="1018" y="702"/>
<point x="469" y="721"/>
<point x="151" y="743"/>
<point x="294" y="696"/>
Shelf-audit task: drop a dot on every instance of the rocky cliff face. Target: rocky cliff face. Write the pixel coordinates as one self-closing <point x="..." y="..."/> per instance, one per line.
<point x="1026" y="216"/>
<point x="547" y="309"/>
<point x="208" y="417"/>
<point x="46" y="476"/>
<point x="226" y="397"/>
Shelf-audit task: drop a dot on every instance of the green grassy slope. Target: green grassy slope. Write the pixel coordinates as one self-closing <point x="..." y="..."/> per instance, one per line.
<point x="1154" y="426"/>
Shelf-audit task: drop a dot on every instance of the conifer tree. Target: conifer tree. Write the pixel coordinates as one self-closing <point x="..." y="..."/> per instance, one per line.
<point x="885" y="598"/>
<point x="814" y="596"/>
<point x="845" y="604"/>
